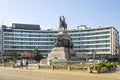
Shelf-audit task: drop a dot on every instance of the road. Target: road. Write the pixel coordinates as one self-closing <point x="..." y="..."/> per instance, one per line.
<point x="47" y="74"/>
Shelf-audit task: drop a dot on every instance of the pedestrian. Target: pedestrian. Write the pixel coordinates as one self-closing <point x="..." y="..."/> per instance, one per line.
<point x="26" y="64"/>
<point x="21" y="64"/>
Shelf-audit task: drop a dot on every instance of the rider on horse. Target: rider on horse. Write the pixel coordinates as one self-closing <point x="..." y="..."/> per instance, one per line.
<point x="63" y="23"/>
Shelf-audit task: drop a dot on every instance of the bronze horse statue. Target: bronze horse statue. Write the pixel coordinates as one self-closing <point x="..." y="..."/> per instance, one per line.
<point x="62" y="23"/>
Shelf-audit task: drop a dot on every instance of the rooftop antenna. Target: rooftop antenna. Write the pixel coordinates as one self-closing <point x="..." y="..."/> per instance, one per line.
<point x="2" y="22"/>
<point x="81" y="23"/>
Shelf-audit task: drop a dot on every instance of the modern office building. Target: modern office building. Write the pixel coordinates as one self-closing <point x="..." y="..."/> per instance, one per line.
<point x="0" y="45"/>
<point x="101" y="40"/>
<point x="0" y="42"/>
<point x="27" y="37"/>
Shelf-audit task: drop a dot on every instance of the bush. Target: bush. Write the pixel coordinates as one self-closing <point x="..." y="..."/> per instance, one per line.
<point x="117" y="63"/>
<point x="77" y="67"/>
<point x="61" y="67"/>
<point x="109" y="66"/>
<point x="6" y="64"/>
<point x="95" y="67"/>
<point x="102" y="64"/>
<point x="99" y="66"/>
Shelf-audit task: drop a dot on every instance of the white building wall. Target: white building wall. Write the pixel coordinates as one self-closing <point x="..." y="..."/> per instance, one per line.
<point x="113" y="40"/>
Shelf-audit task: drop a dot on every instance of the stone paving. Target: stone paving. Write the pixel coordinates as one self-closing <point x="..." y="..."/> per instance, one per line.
<point x="48" y="74"/>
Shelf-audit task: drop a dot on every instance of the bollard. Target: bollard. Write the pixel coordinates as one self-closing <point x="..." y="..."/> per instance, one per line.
<point x="69" y="68"/>
<point x="89" y="69"/>
<point x="13" y="65"/>
<point x="52" y="67"/>
<point x="38" y="66"/>
<point x="4" y="65"/>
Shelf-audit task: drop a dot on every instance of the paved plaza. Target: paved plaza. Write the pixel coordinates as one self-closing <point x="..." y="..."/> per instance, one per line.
<point x="47" y="74"/>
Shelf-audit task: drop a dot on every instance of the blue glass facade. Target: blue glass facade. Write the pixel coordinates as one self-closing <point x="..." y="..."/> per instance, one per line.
<point x="0" y="43"/>
<point x="99" y="39"/>
<point x="28" y="41"/>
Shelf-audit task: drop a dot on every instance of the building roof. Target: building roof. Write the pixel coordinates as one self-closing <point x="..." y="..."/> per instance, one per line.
<point x="25" y="26"/>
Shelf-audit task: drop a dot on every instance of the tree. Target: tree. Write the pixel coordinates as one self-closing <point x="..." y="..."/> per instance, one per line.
<point x="38" y="56"/>
<point x="15" y="55"/>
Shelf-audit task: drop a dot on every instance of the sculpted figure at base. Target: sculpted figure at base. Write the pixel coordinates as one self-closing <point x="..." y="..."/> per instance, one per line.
<point x="62" y="41"/>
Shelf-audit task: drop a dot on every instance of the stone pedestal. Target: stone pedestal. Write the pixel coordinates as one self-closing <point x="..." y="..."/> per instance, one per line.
<point x="63" y="50"/>
<point x="60" y="53"/>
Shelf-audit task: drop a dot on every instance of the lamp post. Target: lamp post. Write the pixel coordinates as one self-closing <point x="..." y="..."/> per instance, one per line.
<point x="33" y="55"/>
<point x="93" y="52"/>
<point x="86" y="58"/>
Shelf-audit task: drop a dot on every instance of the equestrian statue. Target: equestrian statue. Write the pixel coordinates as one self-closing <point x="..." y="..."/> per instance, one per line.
<point x="62" y="23"/>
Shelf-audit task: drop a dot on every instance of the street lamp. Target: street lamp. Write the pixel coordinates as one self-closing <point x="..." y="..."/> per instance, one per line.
<point x="86" y="57"/>
<point x="33" y="54"/>
<point x="93" y="53"/>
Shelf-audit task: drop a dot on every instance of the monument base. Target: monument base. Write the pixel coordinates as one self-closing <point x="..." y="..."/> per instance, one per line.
<point x="60" y="53"/>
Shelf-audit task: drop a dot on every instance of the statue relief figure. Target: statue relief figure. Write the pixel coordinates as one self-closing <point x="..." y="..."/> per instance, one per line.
<point x="62" y="23"/>
<point x="61" y="42"/>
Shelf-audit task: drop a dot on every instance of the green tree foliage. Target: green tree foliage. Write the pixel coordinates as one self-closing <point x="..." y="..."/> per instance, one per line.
<point x="99" y="66"/>
<point x="38" y="56"/>
<point x="109" y="66"/>
<point x="15" y="55"/>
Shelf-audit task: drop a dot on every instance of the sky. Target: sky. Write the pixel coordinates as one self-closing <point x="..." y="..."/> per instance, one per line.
<point x="46" y="13"/>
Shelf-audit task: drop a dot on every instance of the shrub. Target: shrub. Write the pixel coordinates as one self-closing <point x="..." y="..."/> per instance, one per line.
<point x="117" y="63"/>
<point x="6" y="64"/>
<point x="102" y="64"/>
<point x="95" y="67"/>
<point x="99" y="66"/>
<point x="109" y="66"/>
